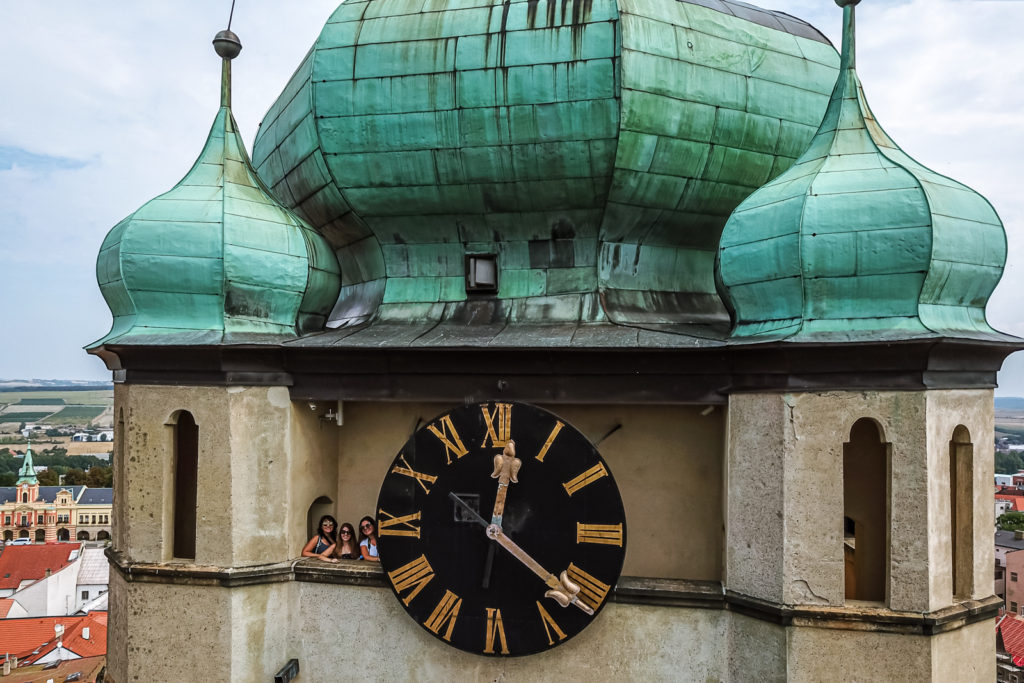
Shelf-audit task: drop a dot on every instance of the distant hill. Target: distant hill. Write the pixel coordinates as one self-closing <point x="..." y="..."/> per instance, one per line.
<point x="54" y="385"/>
<point x="1009" y="403"/>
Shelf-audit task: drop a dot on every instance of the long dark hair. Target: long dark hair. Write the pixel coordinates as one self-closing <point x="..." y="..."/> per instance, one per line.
<point x="362" y="534"/>
<point x="331" y="538"/>
<point x="352" y="538"/>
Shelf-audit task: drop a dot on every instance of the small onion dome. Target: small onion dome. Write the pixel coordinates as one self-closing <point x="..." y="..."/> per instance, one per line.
<point x="215" y="256"/>
<point x="857" y="237"/>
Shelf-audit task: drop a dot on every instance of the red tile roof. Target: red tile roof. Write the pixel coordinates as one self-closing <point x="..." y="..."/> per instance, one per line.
<point x="5" y="606"/>
<point x="29" y="562"/>
<point x="31" y="638"/>
<point x="1015" y="500"/>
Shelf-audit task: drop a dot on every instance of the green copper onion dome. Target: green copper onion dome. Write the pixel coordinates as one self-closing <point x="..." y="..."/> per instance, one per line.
<point x="593" y="148"/>
<point x="217" y="257"/>
<point x="857" y="237"/>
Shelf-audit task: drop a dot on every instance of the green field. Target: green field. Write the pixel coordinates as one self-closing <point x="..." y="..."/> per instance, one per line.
<point x="76" y="415"/>
<point x="99" y="397"/>
<point x="24" y="417"/>
<point x="41" y="402"/>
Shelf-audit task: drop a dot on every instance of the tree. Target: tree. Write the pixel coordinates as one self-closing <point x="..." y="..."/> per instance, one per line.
<point x="1008" y="463"/>
<point x="49" y="477"/>
<point x="74" y="477"/>
<point x="1011" y="521"/>
<point x="100" y="477"/>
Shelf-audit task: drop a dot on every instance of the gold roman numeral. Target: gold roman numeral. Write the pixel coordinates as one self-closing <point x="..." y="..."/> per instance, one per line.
<point x="495" y="627"/>
<point x="414" y="575"/>
<point x="499" y="437"/>
<point x="549" y="624"/>
<point x="551" y="440"/>
<point x="446" y="612"/>
<point x="602" y="534"/>
<point x="585" y="479"/>
<point x="449" y="437"/>
<point x="593" y="591"/>
<point x="410" y="472"/>
<point x="384" y="525"/>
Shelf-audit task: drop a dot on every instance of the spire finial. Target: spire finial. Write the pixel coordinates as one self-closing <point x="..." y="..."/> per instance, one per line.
<point x="849" y="59"/>
<point x="227" y="45"/>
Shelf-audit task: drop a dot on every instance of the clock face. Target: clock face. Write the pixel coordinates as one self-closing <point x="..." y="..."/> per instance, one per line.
<point x="479" y="563"/>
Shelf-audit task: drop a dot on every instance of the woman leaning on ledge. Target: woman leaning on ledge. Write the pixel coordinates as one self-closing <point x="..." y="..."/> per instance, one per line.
<point x="348" y="546"/>
<point x="368" y="539"/>
<point x="323" y="544"/>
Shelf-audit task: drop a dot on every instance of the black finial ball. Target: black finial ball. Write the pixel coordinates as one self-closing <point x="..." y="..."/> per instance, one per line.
<point x="227" y="44"/>
<point x="847" y="3"/>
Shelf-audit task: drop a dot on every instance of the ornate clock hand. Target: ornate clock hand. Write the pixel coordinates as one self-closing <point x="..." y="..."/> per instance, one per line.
<point x="506" y="468"/>
<point x="563" y="591"/>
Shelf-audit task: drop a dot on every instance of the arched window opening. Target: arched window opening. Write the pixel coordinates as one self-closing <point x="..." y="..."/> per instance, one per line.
<point x="83" y="536"/>
<point x="24" y="497"/>
<point x="186" y="483"/>
<point x="961" y="512"/>
<point x="866" y="512"/>
<point x="23" y="533"/>
<point x="319" y="507"/>
<point x="40" y="535"/>
<point x="8" y="535"/>
<point x="63" y="535"/>
<point x="102" y="536"/>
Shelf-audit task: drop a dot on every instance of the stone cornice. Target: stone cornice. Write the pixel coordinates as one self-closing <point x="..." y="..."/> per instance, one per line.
<point x="675" y="593"/>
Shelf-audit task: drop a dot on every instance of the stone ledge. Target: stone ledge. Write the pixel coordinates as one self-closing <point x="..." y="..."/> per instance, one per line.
<point x="866" y="616"/>
<point x="631" y="590"/>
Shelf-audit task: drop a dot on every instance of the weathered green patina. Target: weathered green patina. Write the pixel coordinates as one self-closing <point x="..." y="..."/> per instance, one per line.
<point x="859" y="239"/>
<point x="217" y="258"/>
<point x="27" y="473"/>
<point x="596" y="146"/>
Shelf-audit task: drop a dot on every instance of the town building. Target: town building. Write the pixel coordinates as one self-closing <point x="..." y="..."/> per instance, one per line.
<point x="1009" y="576"/>
<point x="53" y="579"/>
<point x="47" y="514"/>
<point x="678" y="227"/>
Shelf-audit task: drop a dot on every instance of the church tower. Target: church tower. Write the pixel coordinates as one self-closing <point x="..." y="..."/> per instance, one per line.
<point x="671" y="233"/>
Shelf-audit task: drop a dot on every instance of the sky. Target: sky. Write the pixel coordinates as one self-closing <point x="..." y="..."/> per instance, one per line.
<point x="107" y="104"/>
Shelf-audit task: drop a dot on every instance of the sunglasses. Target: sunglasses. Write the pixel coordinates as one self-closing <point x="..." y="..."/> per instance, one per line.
<point x="366" y="526"/>
<point x="346" y="532"/>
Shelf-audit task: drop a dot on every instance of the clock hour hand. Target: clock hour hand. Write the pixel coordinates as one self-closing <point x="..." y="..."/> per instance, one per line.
<point x="506" y="469"/>
<point x="486" y="583"/>
<point x="562" y="590"/>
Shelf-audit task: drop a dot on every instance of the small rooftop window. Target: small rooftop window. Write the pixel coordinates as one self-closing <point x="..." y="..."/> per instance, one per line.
<point x="481" y="273"/>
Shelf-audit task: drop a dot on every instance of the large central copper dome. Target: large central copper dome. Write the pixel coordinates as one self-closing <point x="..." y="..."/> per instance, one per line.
<point x="596" y="147"/>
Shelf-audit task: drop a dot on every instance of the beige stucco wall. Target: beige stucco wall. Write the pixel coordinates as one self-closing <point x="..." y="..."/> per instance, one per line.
<point x="785" y="493"/>
<point x="666" y="461"/>
<point x="262" y="459"/>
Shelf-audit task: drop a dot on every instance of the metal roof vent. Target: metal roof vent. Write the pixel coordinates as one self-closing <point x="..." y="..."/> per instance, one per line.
<point x="482" y="273"/>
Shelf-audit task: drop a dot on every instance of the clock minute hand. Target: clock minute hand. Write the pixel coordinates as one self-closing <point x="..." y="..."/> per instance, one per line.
<point x="562" y="590"/>
<point x="506" y="469"/>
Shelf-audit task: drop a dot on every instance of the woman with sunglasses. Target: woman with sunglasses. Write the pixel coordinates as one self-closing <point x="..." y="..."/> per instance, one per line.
<point x="368" y="539"/>
<point x="348" y="546"/>
<point x="322" y="545"/>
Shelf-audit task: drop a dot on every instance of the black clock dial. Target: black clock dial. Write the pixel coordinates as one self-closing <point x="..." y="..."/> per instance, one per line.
<point x="485" y="576"/>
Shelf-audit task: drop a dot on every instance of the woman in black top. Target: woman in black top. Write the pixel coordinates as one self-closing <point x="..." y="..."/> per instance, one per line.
<point x="322" y="545"/>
